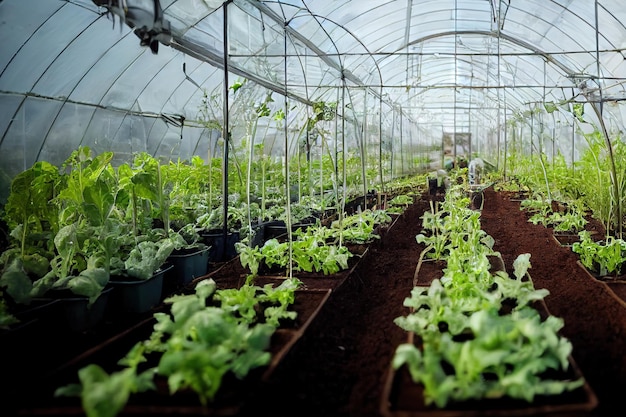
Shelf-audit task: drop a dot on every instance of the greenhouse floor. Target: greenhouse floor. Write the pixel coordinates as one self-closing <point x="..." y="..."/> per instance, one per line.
<point x="339" y="365"/>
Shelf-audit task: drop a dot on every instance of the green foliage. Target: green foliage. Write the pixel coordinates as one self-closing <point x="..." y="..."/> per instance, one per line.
<point x="89" y="187"/>
<point x="477" y="333"/>
<point x="322" y="111"/>
<point x="315" y="248"/>
<point x="79" y="211"/>
<point x="6" y="318"/>
<point x="504" y="358"/>
<point x="590" y="182"/>
<point x="310" y="253"/>
<point x="571" y="220"/>
<point x="105" y="395"/>
<point x="360" y="227"/>
<point x="80" y="201"/>
<point x="452" y="227"/>
<point x="30" y="204"/>
<point x="148" y="256"/>
<point x="459" y="321"/>
<point x="399" y="203"/>
<point x="606" y="257"/>
<point x="205" y="336"/>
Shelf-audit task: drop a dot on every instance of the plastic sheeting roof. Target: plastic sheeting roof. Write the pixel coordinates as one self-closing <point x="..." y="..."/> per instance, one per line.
<point x="71" y="73"/>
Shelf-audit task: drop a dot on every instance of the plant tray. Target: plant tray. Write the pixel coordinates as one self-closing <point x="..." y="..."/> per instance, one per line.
<point x="229" y="400"/>
<point x="565" y="239"/>
<point x="428" y="270"/>
<point x="403" y="398"/>
<point x="76" y="315"/>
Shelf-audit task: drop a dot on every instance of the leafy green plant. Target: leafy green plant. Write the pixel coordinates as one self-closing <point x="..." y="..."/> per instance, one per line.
<point x="448" y="226"/>
<point x="360" y="227"/>
<point x="435" y="235"/>
<point x="572" y="221"/>
<point x="477" y="334"/>
<point x="606" y="257"/>
<point x="541" y="212"/>
<point x="150" y="190"/>
<point x="250" y="257"/>
<point x="311" y="251"/>
<point x="399" y="203"/>
<point x="470" y="349"/>
<point x="597" y="178"/>
<point x="504" y="357"/>
<point x="204" y="336"/>
<point x="82" y="232"/>
<point x="536" y="205"/>
<point x="148" y="256"/>
<point x="106" y="395"/>
<point x="29" y="212"/>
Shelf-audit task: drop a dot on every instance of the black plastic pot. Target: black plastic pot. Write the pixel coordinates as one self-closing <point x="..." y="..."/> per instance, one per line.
<point x="432" y="186"/>
<point x="135" y="296"/>
<point x="74" y="314"/>
<point x="220" y="249"/>
<point x="278" y="228"/>
<point x="188" y="264"/>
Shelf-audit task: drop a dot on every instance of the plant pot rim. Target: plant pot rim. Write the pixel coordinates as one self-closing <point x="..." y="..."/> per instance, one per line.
<point x="189" y="251"/>
<point x="121" y="280"/>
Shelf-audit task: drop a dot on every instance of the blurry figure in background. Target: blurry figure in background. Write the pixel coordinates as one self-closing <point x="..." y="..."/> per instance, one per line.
<point x="438" y="182"/>
<point x="474" y="171"/>
<point x="448" y="160"/>
<point x="449" y="163"/>
<point x="461" y="161"/>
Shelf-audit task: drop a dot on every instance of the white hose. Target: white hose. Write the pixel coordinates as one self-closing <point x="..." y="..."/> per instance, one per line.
<point x="475" y="167"/>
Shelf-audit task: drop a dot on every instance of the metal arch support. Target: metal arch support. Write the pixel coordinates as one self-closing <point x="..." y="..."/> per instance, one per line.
<point x="548" y="57"/>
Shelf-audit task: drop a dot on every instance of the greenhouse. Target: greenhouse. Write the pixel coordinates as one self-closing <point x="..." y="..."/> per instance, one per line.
<point x="329" y="208"/>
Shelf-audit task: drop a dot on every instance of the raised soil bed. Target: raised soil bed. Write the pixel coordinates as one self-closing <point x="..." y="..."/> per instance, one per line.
<point x="229" y="400"/>
<point x="339" y="366"/>
<point x="404" y="398"/>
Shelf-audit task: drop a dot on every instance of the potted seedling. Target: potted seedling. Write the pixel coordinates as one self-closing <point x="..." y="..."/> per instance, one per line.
<point x="75" y="266"/>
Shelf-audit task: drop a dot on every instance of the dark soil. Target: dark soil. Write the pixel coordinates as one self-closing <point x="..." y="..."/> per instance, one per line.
<point x="339" y="365"/>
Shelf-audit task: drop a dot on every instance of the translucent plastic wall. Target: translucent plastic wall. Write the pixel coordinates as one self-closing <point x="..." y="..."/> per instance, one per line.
<point x="494" y="76"/>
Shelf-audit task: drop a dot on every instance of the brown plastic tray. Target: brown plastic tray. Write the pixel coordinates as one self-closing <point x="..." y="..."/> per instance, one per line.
<point x="228" y="401"/>
<point x="402" y="397"/>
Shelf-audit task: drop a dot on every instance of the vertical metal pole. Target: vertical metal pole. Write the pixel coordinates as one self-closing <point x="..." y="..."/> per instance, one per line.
<point x="402" y="151"/>
<point x="226" y="134"/>
<point x="601" y="103"/>
<point x="380" y="142"/>
<point x="506" y="140"/>
<point x="343" y="155"/>
<point x="456" y="75"/>
<point x="364" y="149"/>
<point x="573" y="143"/>
<point x="287" y="177"/>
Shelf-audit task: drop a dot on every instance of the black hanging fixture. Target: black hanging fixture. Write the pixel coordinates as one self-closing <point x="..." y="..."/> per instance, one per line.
<point x="145" y="17"/>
